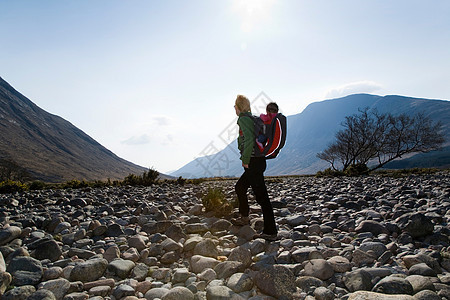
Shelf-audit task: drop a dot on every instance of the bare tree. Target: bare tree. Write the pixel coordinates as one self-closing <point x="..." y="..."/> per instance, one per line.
<point x="380" y="138"/>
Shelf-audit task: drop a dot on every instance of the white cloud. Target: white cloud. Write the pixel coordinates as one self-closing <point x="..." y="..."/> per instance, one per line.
<point x="162" y="120"/>
<point x="137" y="140"/>
<point x="353" y="88"/>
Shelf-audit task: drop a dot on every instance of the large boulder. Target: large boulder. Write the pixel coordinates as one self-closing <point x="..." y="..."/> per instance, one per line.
<point x="393" y="285"/>
<point x="277" y="281"/>
<point x="416" y="224"/>
<point x="89" y="270"/>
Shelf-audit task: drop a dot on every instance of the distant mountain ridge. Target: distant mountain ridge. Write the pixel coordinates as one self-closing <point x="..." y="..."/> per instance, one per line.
<point x="312" y="130"/>
<point x="51" y="148"/>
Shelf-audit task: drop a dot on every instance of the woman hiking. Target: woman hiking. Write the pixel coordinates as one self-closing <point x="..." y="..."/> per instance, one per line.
<point x="253" y="175"/>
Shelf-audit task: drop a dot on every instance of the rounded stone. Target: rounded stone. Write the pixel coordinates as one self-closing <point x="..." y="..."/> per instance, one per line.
<point x="156" y="293"/>
<point x="89" y="270"/>
<point x="177" y="293"/>
<point x="240" y="282"/>
<point x="319" y="268"/>
<point x="276" y="281"/>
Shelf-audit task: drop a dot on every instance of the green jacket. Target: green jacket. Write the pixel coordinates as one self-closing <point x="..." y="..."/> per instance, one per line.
<point x="246" y="139"/>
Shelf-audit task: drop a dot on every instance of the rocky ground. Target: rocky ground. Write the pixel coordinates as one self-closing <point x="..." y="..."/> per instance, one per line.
<point x="339" y="238"/>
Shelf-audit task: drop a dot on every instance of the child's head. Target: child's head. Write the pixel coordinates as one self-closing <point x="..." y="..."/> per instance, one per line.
<point x="242" y="103"/>
<point x="272" y="108"/>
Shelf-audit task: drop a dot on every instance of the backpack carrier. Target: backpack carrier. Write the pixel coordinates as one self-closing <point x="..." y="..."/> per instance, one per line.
<point x="270" y="138"/>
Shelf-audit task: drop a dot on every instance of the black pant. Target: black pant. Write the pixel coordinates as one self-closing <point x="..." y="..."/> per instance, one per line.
<point x="254" y="176"/>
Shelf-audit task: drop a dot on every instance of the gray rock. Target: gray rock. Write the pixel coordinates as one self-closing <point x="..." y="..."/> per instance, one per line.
<point x="140" y="272"/>
<point x="59" y="287"/>
<point x="2" y="263"/>
<point x="121" y="267"/>
<point x="363" y="295"/>
<point x="241" y="255"/>
<point x="81" y="253"/>
<point x="207" y="275"/>
<point x="170" y="245"/>
<point x="42" y="294"/>
<point x="61" y="227"/>
<point x="114" y="230"/>
<point x="48" y="249"/>
<point x="277" y="281"/>
<point x="111" y="253"/>
<point x="78" y="296"/>
<point x="19" y="293"/>
<point x="319" y="268"/>
<point x="100" y="230"/>
<point x="219" y="293"/>
<point x="89" y="270"/>
<point x="240" y="282"/>
<point x="322" y="293"/>
<point x="422" y="269"/>
<point x="5" y="280"/>
<point x="8" y="234"/>
<point x="220" y="225"/>
<point x="340" y="264"/>
<point x="358" y="280"/>
<point x="374" y="227"/>
<point x="306" y="253"/>
<point x="361" y="258"/>
<point x="123" y="290"/>
<point x="206" y="247"/>
<point x="200" y="263"/>
<point x="191" y="242"/>
<point x="136" y="241"/>
<point x="170" y="257"/>
<point x="162" y="274"/>
<point x="308" y="283"/>
<point x="227" y="268"/>
<point x="427" y="295"/>
<point x="246" y="232"/>
<point x="411" y="260"/>
<point x="180" y="275"/>
<point x="25" y="270"/>
<point x="420" y="283"/>
<point x="175" y="232"/>
<point x="196" y="228"/>
<point x="178" y="293"/>
<point x="296" y="220"/>
<point x="416" y="224"/>
<point x="377" y="247"/>
<point x="393" y="285"/>
<point x="156" y="293"/>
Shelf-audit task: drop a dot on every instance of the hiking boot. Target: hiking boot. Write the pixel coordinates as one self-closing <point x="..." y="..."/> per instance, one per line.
<point x="267" y="237"/>
<point x="241" y="221"/>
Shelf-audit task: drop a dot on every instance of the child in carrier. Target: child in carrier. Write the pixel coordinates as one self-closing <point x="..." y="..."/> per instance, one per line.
<point x="272" y="111"/>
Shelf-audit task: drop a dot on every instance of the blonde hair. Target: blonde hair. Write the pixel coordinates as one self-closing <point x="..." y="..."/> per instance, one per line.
<point x="243" y="104"/>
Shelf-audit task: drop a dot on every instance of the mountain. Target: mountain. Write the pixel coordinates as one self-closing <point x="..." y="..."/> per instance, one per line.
<point x="312" y="130"/>
<point x="50" y="148"/>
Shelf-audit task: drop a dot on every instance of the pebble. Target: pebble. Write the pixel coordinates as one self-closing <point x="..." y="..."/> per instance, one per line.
<point x="373" y="237"/>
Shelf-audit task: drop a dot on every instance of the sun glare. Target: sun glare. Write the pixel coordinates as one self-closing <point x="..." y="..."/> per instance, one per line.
<point x="253" y="13"/>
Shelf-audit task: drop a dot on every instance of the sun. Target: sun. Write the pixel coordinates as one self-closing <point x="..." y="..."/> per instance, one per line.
<point x="253" y="13"/>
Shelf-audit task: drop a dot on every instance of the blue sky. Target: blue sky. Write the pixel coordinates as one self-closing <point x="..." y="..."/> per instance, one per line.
<point x="155" y="81"/>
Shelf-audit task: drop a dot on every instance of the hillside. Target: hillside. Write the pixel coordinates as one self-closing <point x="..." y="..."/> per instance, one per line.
<point x="50" y="148"/>
<point x="310" y="131"/>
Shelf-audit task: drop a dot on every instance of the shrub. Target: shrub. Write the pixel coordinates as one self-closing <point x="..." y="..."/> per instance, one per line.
<point x="75" y="184"/>
<point x="9" y="186"/>
<point x="37" y="185"/>
<point x="214" y="201"/>
<point x="356" y="170"/>
<point x="329" y="173"/>
<point x="147" y="179"/>
<point x="181" y="180"/>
